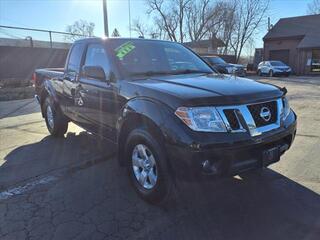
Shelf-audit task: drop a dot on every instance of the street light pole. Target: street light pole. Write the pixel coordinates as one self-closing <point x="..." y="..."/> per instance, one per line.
<point x="129" y="5"/>
<point x="105" y="18"/>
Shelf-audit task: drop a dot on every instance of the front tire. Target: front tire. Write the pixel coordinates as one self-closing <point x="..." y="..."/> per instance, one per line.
<point x="147" y="167"/>
<point x="56" y="122"/>
<point x="270" y="73"/>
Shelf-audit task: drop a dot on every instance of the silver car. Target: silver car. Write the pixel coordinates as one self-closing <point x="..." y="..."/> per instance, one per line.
<point x="273" y="68"/>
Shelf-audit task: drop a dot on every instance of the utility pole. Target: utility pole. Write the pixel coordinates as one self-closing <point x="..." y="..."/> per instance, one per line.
<point x="269" y="25"/>
<point x="129" y="5"/>
<point x="105" y="18"/>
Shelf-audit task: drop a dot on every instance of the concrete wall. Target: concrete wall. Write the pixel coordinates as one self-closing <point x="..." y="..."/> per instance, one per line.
<point x="20" y="62"/>
<point x="32" y="43"/>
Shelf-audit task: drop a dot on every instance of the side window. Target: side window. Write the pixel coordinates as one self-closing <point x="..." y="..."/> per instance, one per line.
<point x="75" y="58"/>
<point x="96" y="56"/>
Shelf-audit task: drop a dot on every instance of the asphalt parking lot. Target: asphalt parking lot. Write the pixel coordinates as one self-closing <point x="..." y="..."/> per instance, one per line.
<point x="72" y="188"/>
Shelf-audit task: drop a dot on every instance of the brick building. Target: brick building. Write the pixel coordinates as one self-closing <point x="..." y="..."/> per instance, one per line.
<point x="296" y="42"/>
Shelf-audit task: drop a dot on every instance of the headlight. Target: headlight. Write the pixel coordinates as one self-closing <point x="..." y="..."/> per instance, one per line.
<point x="230" y="69"/>
<point x="202" y="119"/>
<point x="286" y="108"/>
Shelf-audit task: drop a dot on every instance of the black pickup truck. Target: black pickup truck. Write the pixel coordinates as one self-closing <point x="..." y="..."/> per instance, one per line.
<point x="169" y="113"/>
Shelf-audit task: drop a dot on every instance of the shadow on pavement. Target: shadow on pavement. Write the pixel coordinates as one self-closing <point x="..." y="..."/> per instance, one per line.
<point x="263" y="205"/>
<point x="97" y="201"/>
<point x="51" y="154"/>
<point x="259" y="206"/>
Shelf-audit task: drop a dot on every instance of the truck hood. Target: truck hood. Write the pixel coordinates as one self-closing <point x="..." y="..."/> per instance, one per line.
<point x="214" y="89"/>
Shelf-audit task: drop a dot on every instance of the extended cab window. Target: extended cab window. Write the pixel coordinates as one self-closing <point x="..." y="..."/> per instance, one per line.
<point x="75" y="58"/>
<point x="96" y="56"/>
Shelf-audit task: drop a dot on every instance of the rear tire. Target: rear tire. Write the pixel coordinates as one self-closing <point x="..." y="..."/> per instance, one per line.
<point x="259" y="73"/>
<point x="147" y="167"/>
<point x="56" y="122"/>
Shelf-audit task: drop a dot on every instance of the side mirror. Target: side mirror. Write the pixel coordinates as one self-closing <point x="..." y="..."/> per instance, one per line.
<point x="95" y="72"/>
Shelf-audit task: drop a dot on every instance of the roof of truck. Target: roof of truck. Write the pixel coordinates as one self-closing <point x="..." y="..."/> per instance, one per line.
<point x="99" y="39"/>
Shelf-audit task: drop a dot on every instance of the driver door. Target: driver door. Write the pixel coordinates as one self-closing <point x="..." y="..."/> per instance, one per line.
<point x="98" y="98"/>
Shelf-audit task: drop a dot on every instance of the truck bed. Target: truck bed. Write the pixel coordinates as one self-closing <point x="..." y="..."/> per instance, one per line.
<point x="43" y="74"/>
<point x="49" y="72"/>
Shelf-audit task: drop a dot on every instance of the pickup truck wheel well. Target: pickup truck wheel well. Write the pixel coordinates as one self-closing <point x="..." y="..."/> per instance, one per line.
<point x="43" y="97"/>
<point x="133" y="122"/>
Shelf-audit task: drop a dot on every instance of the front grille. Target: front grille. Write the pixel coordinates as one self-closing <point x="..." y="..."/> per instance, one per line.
<point x="255" y="111"/>
<point x="232" y="118"/>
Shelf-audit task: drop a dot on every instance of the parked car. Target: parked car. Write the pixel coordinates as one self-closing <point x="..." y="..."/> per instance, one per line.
<point x="273" y="68"/>
<point x="170" y="115"/>
<point x="225" y="68"/>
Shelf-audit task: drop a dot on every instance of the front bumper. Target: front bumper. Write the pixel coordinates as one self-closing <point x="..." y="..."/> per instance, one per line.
<point x="282" y="72"/>
<point x="241" y="72"/>
<point x="232" y="156"/>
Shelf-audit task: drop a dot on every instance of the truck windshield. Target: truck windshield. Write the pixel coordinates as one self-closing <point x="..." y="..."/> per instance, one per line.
<point x="147" y="57"/>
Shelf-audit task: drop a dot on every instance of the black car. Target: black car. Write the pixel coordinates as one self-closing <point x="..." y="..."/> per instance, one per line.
<point x="225" y="68"/>
<point x="169" y="114"/>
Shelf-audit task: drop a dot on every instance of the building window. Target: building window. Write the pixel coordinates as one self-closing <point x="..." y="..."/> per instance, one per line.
<point x="315" y="61"/>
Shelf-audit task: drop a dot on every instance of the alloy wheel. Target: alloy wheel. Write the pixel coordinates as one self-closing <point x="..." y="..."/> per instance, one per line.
<point x="144" y="166"/>
<point x="50" y="117"/>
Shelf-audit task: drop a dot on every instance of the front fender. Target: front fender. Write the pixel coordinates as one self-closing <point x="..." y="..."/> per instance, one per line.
<point x="161" y="115"/>
<point x="147" y="108"/>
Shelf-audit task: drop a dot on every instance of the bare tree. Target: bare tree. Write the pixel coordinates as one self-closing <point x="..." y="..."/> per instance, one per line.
<point x="248" y="18"/>
<point x="182" y="20"/>
<point x="80" y="27"/>
<point x="232" y="21"/>
<point x="140" y="28"/>
<point x="171" y="16"/>
<point x="228" y="10"/>
<point x="314" y="7"/>
<point x="115" y="33"/>
<point x="204" y="18"/>
<point x="156" y="30"/>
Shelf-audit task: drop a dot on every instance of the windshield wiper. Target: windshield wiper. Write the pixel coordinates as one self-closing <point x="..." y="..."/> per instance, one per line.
<point x="177" y="72"/>
<point x="150" y="73"/>
<point x="189" y="71"/>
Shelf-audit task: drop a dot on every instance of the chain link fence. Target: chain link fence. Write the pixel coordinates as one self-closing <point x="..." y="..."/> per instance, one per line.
<point x="31" y="37"/>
